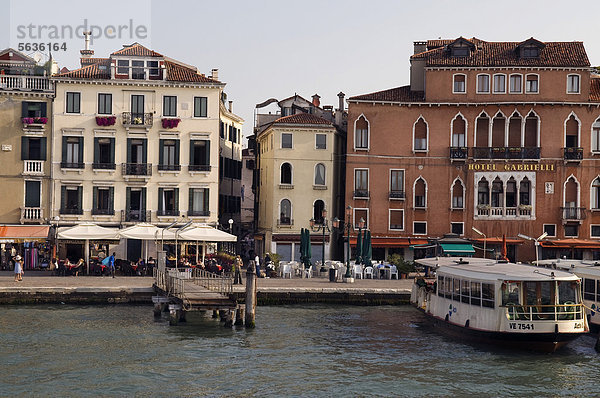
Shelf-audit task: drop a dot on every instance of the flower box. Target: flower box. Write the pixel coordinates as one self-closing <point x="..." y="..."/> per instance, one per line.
<point x="525" y="207"/>
<point x="170" y="123"/>
<point x="106" y="120"/>
<point x="34" y="120"/>
<point x="483" y="207"/>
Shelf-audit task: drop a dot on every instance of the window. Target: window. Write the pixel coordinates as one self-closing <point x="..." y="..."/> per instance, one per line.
<point x="550" y="229"/>
<point x="499" y="84"/>
<point x="572" y="132"/>
<point x="321" y="141"/>
<point x="201" y="109"/>
<point x="420" y="133"/>
<point x="137" y="70"/>
<point x="596" y="136"/>
<point x="531" y="84"/>
<point x="487" y="295"/>
<point x="396" y="220"/>
<point x="71" y="200"/>
<point x="573" y="84"/>
<point x="525" y="192"/>
<point x="199" y="155"/>
<point x="530" y="52"/>
<point x="595" y="231"/>
<point x="73" y="102"/>
<point x="497" y="193"/>
<point x="285" y="212"/>
<point x="32" y="193"/>
<point x="199" y="199"/>
<point x="123" y="67"/>
<point x="420" y="227"/>
<point x="72" y="154"/>
<point x="460" y="84"/>
<point x="168" y="201"/>
<point x="318" y="208"/>
<point x="103" y="201"/>
<point x="152" y="67"/>
<point x="459" y="129"/>
<point x="475" y="293"/>
<point x="420" y="192"/>
<point x="457" y="228"/>
<point x="33" y="109"/>
<point x="361" y="183"/>
<point x="361" y="133"/>
<point x="137" y="107"/>
<point x="286" y="174"/>
<point x="457" y="195"/>
<point x="514" y="85"/>
<point x="168" y="155"/>
<point x="596" y="194"/>
<point x="483" y="193"/>
<point x="320" y="174"/>
<point x="397" y="184"/>
<point x="104" y="153"/>
<point x="169" y="105"/>
<point x="361" y="214"/>
<point x="33" y="148"/>
<point x="511" y="193"/>
<point x="483" y="84"/>
<point x="286" y="140"/>
<point x="571" y="230"/>
<point x="104" y="104"/>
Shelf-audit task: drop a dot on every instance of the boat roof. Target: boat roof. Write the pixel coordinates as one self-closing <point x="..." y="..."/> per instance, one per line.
<point x="486" y="269"/>
<point x="578" y="267"/>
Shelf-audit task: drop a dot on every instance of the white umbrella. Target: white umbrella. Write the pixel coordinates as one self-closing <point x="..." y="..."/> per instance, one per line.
<point x="205" y="233"/>
<point x="87" y="232"/>
<point x="146" y="232"/>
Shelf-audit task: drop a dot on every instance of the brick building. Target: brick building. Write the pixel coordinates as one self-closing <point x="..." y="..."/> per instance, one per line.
<point x="500" y="136"/>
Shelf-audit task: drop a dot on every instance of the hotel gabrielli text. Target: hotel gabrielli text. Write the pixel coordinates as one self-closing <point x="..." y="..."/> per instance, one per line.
<point x="489" y="140"/>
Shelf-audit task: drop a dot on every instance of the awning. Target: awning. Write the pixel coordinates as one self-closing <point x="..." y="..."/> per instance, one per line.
<point x="458" y="249"/>
<point x="498" y="240"/>
<point x="387" y="241"/>
<point x="571" y="244"/>
<point x="23" y="233"/>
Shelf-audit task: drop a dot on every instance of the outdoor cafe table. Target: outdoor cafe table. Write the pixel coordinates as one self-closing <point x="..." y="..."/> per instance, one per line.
<point x="382" y="270"/>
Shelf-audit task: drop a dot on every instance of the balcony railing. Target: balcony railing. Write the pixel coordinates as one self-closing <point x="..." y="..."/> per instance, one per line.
<point x="32" y="214"/>
<point x="143" y="120"/>
<point x="573" y="213"/>
<point x="103" y="166"/>
<point x="137" y="169"/>
<point x="506" y="152"/>
<point x="285" y="221"/>
<point x="33" y="83"/>
<point x="136" y="216"/>
<point x="198" y="213"/>
<point x="199" y="167"/>
<point x="169" y="167"/>
<point x="71" y="211"/>
<point x="395" y="194"/>
<point x="512" y="211"/>
<point x="71" y="165"/>
<point x="361" y="194"/>
<point x="33" y="167"/>
<point x="458" y="153"/>
<point x="103" y="212"/>
<point x="573" y="153"/>
<point x="165" y="213"/>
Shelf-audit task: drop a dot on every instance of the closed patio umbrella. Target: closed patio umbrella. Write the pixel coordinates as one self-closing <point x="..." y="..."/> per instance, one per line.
<point x="302" y="245"/>
<point x="359" y="248"/>
<point x="308" y="255"/>
<point x="367" y="249"/>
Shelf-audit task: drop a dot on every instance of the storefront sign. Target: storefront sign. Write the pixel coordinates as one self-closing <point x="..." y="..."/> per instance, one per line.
<point x="511" y="167"/>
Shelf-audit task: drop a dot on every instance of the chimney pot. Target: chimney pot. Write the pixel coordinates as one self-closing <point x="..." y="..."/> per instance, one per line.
<point x="341" y="96"/>
<point x="316" y="100"/>
<point x="214" y="74"/>
<point x="231" y="106"/>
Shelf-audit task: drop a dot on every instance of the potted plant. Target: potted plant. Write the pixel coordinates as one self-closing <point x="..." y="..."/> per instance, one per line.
<point x="169" y="123"/>
<point x="404" y="267"/>
<point x="105" y="120"/>
<point x="137" y="120"/>
<point x="483" y="207"/>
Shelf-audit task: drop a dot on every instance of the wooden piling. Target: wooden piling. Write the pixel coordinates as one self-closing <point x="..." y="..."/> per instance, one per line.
<point x="239" y="316"/>
<point x="250" y="295"/>
<point x="229" y="318"/>
<point x="222" y="315"/>
<point x="215" y="314"/>
<point x="157" y="310"/>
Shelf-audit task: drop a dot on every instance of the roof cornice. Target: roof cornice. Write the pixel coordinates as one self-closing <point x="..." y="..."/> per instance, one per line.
<point x="136" y="83"/>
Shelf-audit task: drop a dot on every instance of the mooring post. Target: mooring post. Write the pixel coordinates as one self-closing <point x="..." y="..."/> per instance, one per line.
<point x="250" y="294"/>
<point x="157" y="310"/>
<point x="229" y="320"/>
<point x="222" y="315"/>
<point x="239" y="316"/>
<point x="174" y="314"/>
<point x="215" y="314"/>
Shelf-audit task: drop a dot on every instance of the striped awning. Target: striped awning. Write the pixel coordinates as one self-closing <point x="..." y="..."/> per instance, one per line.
<point x="23" y="233"/>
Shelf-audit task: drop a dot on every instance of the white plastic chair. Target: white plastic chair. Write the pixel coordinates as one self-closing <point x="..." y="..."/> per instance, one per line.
<point x="286" y="270"/>
<point x="357" y="271"/>
<point x="308" y="272"/>
<point x="368" y="271"/>
<point x="393" y="271"/>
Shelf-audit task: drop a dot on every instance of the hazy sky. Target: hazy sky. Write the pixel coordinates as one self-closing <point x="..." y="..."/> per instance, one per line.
<point x="267" y="49"/>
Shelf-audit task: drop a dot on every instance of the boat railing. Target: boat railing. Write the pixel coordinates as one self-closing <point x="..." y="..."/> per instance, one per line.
<point x="560" y="312"/>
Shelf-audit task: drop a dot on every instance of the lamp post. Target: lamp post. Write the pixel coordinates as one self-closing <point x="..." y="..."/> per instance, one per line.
<point x="230" y="221"/>
<point x="187" y="224"/>
<point x="536" y="243"/>
<point x="323" y="226"/>
<point x="347" y="226"/>
<point x="484" y="240"/>
<point x="56" y="220"/>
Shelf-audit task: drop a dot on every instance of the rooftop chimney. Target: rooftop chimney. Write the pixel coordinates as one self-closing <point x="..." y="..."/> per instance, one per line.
<point x="231" y="106"/>
<point x="214" y="74"/>
<point x="341" y="96"/>
<point x="316" y="100"/>
<point x="87" y="53"/>
<point x="419" y="47"/>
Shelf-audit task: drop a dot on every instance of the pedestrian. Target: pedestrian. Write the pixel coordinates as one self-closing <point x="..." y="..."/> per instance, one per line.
<point x="257" y="264"/>
<point x="237" y="275"/>
<point x="111" y="264"/>
<point x="18" y="268"/>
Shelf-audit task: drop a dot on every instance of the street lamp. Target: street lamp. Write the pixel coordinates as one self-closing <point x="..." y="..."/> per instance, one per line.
<point x="230" y="229"/>
<point x="324" y="226"/>
<point x="536" y="243"/>
<point x="56" y="221"/>
<point x="484" y="239"/>
<point x="347" y="226"/>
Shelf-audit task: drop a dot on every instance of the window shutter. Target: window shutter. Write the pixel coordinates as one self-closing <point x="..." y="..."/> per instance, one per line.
<point x="161" y="150"/>
<point x="44" y="109"/>
<point x="144" y="200"/>
<point x="206" y="192"/>
<point x="176" y="200"/>
<point x="144" y="151"/>
<point x="129" y="150"/>
<point x="160" y="199"/>
<point x="64" y="149"/>
<point x="176" y="152"/>
<point x="112" y="150"/>
<point x="207" y="153"/>
<point x="25" y="148"/>
<point x="111" y="200"/>
<point x="24" y="106"/>
<point x="95" y="199"/>
<point x="191" y="201"/>
<point x="96" y="150"/>
<point x="80" y="149"/>
<point x="127" y="199"/>
<point x="63" y="197"/>
<point x="32" y="194"/>
<point x="192" y="152"/>
<point x="80" y="199"/>
<point x="43" y="148"/>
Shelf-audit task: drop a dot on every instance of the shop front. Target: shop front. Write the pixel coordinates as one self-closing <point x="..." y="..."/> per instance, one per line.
<point x="29" y="241"/>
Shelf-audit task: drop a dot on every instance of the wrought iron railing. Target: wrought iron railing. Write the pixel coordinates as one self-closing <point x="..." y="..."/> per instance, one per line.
<point x="573" y="153"/>
<point x="361" y="194"/>
<point x="169" y="167"/>
<point x="144" y="120"/>
<point x="199" y="167"/>
<point x="458" y="153"/>
<point x="396" y="194"/>
<point x="136" y="215"/>
<point x="103" y="212"/>
<point x="103" y="166"/>
<point x="172" y="212"/>
<point x="137" y="169"/>
<point x="198" y="213"/>
<point x="573" y="213"/>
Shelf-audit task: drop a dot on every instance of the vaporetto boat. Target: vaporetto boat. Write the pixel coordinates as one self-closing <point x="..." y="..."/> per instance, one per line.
<point x="515" y="305"/>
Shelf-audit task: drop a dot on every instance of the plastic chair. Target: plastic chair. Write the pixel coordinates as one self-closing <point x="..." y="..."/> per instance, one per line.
<point x="308" y="272"/>
<point x="393" y="271"/>
<point x="286" y="270"/>
<point x="357" y="271"/>
<point x="369" y="271"/>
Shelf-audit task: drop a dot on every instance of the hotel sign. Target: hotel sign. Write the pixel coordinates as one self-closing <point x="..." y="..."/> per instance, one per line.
<point x="511" y="167"/>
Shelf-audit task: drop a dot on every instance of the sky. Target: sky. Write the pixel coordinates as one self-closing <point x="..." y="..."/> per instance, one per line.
<point x="273" y="49"/>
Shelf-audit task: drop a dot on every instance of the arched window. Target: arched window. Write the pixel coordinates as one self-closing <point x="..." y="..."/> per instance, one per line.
<point x="482" y="130"/>
<point x="497" y="193"/>
<point x="531" y="130"/>
<point x="459" y="130"/>
<point x="571" y="195"/>
<point x="285" y="212"/>
<point x="596" y="136"/>
<point x="361" y="133"/>
<point x="514" y="131"/>
<point x="596" y="194"/>
<point x="525" y="192"/>
<point x="483" y="192"/>
<point x="511" y="192"/>
<point x="572" y="132"/>
<point x="286" y="173"/>
<point x="498" y="128"/>
<point x="420" y="135"/>
<point x="457" y="195"/>
<point x="318" y="208"/>
<point x="420" y="191"/>
<point x="320" y="174"/>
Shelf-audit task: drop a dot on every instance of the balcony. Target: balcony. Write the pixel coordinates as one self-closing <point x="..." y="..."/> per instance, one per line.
<point x="199" y="167"/>
<point x="573" y="213"/>
<point x="103" y="212"/>
<point x="396" y="194"/>
<point x="361" y="194"/>
<point x="136" y="216"/>
<point x="25" y="83"/>
<point x="33" y="167"/>
<point x="32" y="214"/>
<point x="137" y="120"/>
<point x="169" y="167"/>
<point x="71" y="211"/>
<point x="137" y="169"/>
<point x="285" y="222"/>
<point x="573" y="154"/>
<point x="167" y="213"/>
<point x="71" y="165"/>
<point x="198" y="213"/>
<point x="521" y="211"/>
<point x="458" y="153"/>
<point x="104" y="166"/>
<point x="517" y="153"/>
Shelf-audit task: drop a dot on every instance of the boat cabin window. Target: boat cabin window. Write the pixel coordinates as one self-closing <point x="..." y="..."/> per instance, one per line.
<point x="456" y="290"/>
<point x="448" y="288"/>
<point x="440" y="286"/>
<point x="591" y="289"/>
<point x="510" y="293"/>
<point x="487" y="295"/>
<point x="567" y="292"/>
<point x="540" y="293"/>
<point x="466" y="291"/>
<point x="475" y="293"/>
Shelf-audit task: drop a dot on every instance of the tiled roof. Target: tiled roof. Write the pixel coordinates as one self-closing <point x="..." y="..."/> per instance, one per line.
<point x="595" y="89"/>
<point x="491" y="54"/>
<point x="99" y="70"/>
<point x="136" y="49"/>
<point x="302" y="118"/>
<point x="398" y="94"/>
<point x="179" y="73"/>
<point x="89" y="61"/>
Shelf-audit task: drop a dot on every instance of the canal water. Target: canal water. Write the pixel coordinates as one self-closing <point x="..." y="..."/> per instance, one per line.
<point x="302" y="351"/>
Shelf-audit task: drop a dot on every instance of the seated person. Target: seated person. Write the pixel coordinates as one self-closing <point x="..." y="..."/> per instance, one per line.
<point x="79" y="267"/>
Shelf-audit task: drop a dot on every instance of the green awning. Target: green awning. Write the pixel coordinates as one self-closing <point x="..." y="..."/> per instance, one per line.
<point x="458" y="249"/>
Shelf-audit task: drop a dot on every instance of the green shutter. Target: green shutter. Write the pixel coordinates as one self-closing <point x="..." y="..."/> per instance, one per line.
<point x="129" y="150"/>
<point x="144" y="200"/>
<point x="95" y="199"/>
<point x="64" y="149"/>
<point x="112" y="150"/>
<point x="191" y="152"/>
<point x="63" y="197"/>
<point x="24" y="106"/>
<point x="127" y="199"/>
<point x="176" y="152"/>
<point x="111" y="199"/>
<point x="44" y="109"/>
<point x="81" y="150"/>
<point x="191" y="201"/>
<point x="207" y="152"/>
<point x="96" y="150"/>
<point x="80" y="199"/>
<point x="206" y="199"/>
<point x="176" y="199"/>
<point x="43" y="148"/>
<point x="161" y="150"/>
<point x="160" y="199"/>
<point x="144" y="150"/>
<point x="25" y="148"/>
<point x="204" y="107"/>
